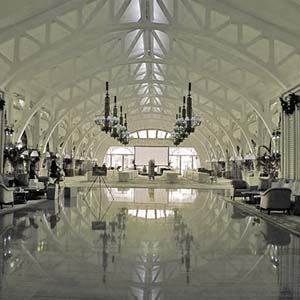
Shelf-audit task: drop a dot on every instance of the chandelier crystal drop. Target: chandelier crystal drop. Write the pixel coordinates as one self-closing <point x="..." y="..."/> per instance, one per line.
<point x="111" y="123"/>
<point x="186" y="122"/>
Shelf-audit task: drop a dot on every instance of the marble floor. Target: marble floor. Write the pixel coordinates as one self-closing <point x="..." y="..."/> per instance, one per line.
<point x="145" y="243"/>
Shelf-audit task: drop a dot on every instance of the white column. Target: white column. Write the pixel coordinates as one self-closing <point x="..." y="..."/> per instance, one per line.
<point x="1" y="140"/>
<point x="290" y="145"/>
<point x="1" y="131"/>
<point x="36" y="130"/>
<point x="55" y="139"/>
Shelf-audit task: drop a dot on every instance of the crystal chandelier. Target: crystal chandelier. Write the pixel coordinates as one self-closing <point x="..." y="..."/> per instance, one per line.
<point x="185" y="121"/>
<point x="112" y="124"/>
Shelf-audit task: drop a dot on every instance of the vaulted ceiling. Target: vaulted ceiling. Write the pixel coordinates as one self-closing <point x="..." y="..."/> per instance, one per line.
<point x="238" y="54"/>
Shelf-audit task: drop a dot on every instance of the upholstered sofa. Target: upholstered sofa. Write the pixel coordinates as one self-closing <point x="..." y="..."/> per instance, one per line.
<point x="239" y="186"/>
<point x="6" y="195"/>
<point x="276" y="199"/>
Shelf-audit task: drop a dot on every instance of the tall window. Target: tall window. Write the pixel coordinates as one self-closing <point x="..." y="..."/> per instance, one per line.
<point x="119" y="157"/>
<point x="150" y="134"/>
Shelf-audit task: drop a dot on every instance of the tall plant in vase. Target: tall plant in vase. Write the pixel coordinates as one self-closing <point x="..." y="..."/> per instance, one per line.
<point x="269" y="161"/>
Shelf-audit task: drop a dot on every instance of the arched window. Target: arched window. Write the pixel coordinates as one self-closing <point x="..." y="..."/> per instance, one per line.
<point x="150" y="134"/>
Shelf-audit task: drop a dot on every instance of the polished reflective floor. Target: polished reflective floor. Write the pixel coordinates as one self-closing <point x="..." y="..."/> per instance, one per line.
<point x="145" y="244"/>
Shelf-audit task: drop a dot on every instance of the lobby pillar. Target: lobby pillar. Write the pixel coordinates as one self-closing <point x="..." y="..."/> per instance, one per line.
<point x="36" y="130"/>
<point x="290" y="137"/>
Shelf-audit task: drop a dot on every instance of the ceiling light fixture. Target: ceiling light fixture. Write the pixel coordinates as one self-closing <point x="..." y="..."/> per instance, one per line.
<point x="185" y="121"/>
<point x="112" y="124"/>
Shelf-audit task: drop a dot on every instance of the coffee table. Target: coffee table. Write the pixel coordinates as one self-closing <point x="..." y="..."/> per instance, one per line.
<point x="33" y="193"/>
<point x="252" y="196"/>
<point x="20" y="197"/>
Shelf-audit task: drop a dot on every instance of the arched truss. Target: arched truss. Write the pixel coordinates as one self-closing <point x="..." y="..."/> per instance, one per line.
<point x="73" y="102"/>
<point x="217" y="83"/>
<point x="233" y="58"/>
<point x="90" y="139"/>
<point x="211" y="112"/>
<point x="206" y="18"/>
<point x="26" y="118"/>
<point x="88" y="117"/>
<point x="139" y="122"/>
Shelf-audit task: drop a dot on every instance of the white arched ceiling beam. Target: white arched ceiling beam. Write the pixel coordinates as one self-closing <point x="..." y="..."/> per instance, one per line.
<point x="204" y="109"/>
<point x="83" y="36"/>
<point x="54" y="57"/>
<point x="79" y="101"/>
<point x="69" y="130"/>
<point x="155" y="25"/>
<point x="198" y="33"/>
<point x="44" y="22"/>
<point x="193" y="66"/>
<point x="60" y="86"/>
<point x="207" y="112"/>
<point x="171" y="62"/>
<point x="159" y="61"/>
<point x="202" y="43"/>
<point x="37" y="64"/>
<point x="204" y="94"/>
<point x="167" y="124"/>
<point x="92" y="139"/>
<point x="86" y="119"/>
<point x="64" y="111"/>
<point x="71" y="104"/>
<point x="271" y="31"/>
<point x="88" y="131"/>
<point x="41" y="19"/>
<point x="239" y="17"/>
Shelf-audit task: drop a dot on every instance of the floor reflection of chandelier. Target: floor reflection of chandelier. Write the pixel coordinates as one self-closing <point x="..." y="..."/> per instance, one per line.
<point x="185" y="121"/>
<point x="113" y="124"/>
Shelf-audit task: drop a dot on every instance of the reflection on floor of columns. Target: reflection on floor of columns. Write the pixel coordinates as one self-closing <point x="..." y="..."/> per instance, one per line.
<point x="153" y="244"/>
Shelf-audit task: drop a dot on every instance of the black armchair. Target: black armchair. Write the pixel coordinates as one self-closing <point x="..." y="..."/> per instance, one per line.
<point x="239" y="186"/>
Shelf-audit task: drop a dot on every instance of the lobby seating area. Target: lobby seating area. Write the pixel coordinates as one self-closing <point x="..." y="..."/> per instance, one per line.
<point x="278" y="195"/>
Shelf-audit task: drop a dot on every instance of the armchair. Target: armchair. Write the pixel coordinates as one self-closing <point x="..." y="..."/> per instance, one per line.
<point x="239" y="186"/>
<point x="276" y="199"/>
<point x="6" y="195"/>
